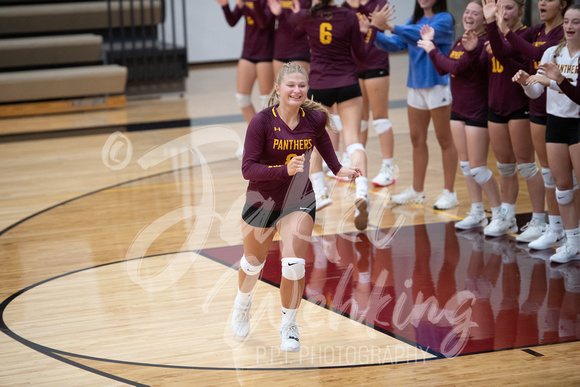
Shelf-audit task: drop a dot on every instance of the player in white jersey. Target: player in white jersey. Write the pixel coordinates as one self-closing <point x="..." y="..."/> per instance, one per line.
<point x="561" y="128"/>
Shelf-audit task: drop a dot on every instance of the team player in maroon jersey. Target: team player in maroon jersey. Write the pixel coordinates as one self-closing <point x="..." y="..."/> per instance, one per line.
<point x="290" y="43"/>
<point x="468" y="109"/>
<point x="373" y="75"/>
<point x="531" y="44"/>
<point x="256" y="60"/>
<point x="332" y="33"/>
<point x="509" y="124"/>
<point x="277" y="150"/>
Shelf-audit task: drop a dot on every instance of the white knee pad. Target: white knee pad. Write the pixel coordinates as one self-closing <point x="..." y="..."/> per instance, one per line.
<point x="293" y="268"/>
<point x="507" y="170"/>
<point x="548" y="178"/>
<point x="382" y="125"/>
<point x="264" y="100"/>
<point x="364" y="125"/>
<point x="337" y="122"/>
<point x="250" y="269"/>
<point x="481" y="174"/>
<point x="354" y="147"/>
<point x="564" y="197"/>
<point x="243" y="100"/>
<point x="528" y="170"/>
<point x="465" y="168"/>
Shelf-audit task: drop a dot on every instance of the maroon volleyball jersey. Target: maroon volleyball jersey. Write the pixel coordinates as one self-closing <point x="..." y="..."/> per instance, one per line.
<point x="504" y="96"/>
<point x="332" y="32"/>
<point x="375" y="58"/>
<point x="468" y="79"/>
<point x="270" y="144"/>
<point x="290" y="42"/>
<point x="259" y="32"/>
<point x="531" y="44"/>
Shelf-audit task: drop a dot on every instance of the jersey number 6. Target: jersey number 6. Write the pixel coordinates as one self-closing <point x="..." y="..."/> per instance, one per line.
<point x="325" y="33"/>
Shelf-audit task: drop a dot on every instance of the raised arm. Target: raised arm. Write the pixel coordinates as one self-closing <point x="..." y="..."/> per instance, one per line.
<point x="232" y="18"/>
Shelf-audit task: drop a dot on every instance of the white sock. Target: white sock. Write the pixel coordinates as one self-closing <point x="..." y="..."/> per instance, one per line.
<point x="555" y="222"/>
<point x="509" y="209"/>
<point x="539" y="216"/>
<point x="477" y="207"/>
<point x="388" y="161"/>
<point x="244" y="298"/>
<point x="362" y="184"/>
<point x="573" y="237"/>
<point x="495" y="211"/>
<point x="288" y="315"/>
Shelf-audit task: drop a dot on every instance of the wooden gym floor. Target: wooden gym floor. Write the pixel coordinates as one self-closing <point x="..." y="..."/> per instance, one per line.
<point x="119" y="237"/>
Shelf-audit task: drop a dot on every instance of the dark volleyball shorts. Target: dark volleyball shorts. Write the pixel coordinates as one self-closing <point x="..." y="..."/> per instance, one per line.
<point x="540" y="120"/>
<point x="375" y="73"/>
<point x="562" y="130"/>
<point x="521" y="114"/>
<point x="329" y="97"/>
<point x="467" y="121"/>
<point x="266" y="218"/>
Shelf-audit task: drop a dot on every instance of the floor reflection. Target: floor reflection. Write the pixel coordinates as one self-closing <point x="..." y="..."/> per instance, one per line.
<point x="448" y="291"/>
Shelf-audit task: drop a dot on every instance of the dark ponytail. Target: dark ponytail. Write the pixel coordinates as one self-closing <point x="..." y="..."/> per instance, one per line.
<point x="321" y="4"/>
<point x="418" y="13"/>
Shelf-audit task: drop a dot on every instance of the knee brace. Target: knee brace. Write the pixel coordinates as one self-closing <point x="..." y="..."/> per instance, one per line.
<point x="507" y="170"/>
<point x="293" y="268"/>
<point x="548" y="178"/>
<point x="364" y="126"/>
<point x="264" y="100"/>
<point x="337" y="122"/>
<point x="465" y="168"/>
<point x="564" y="197"/>
<point x="250" y="269"/>
<point x="243" y="100"/>
<point x="382" y="125"/>
<point x="481" y="175"/>
<point x="528" y="170"/>
<point x="354" y="147"/>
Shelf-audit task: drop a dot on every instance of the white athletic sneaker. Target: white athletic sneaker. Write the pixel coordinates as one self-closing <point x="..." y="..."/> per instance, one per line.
<point x="290" y="337"/>
<point x="385" y="177"/>
<point x="532" y="231"/>
<point x="500" y="225"/>
<point x="446" y="200"/>
<point x="550" y="238"/>
<point x="361" y="215"/>
<point x="565" y="253"/>
<point x="409" y="196"/>
<point x="322" y="199"/>
<point x="472" y="220"/>
<point x="241" y="320"/>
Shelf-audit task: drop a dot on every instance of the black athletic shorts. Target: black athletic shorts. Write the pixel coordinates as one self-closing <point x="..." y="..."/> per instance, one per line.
<point x="562" y="130"/>
<point x="375" y="73"/>
<point x="467" y="121"/>
<point x="521" y="114"/>
<point x="265" y="218"/>
<point x="329" y="97"/>
<point x="540" y="120"/>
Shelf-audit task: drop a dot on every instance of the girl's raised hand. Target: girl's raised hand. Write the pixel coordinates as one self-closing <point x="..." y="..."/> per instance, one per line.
<point x="469" y="40"/>
<point x="489" y="10"/>
<point x="222" y="3"/>
<point x="427" y="32"/>
<point x="275" y="7"/>
<point x="551" y="71"/>
<point x="521" y="77"/>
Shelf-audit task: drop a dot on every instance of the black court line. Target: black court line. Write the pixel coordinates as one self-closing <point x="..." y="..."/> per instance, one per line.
<point x="143" y="126"/>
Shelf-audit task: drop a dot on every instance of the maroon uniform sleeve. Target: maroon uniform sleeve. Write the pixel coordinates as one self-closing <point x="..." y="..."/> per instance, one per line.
<point x="501" y="48"/>
<point x="573" y="92"/>
<point x="254" y="145"/>
<point x="232" y="17"/>
<point x="523" y="44"/>
<point x="449" y="65"/>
